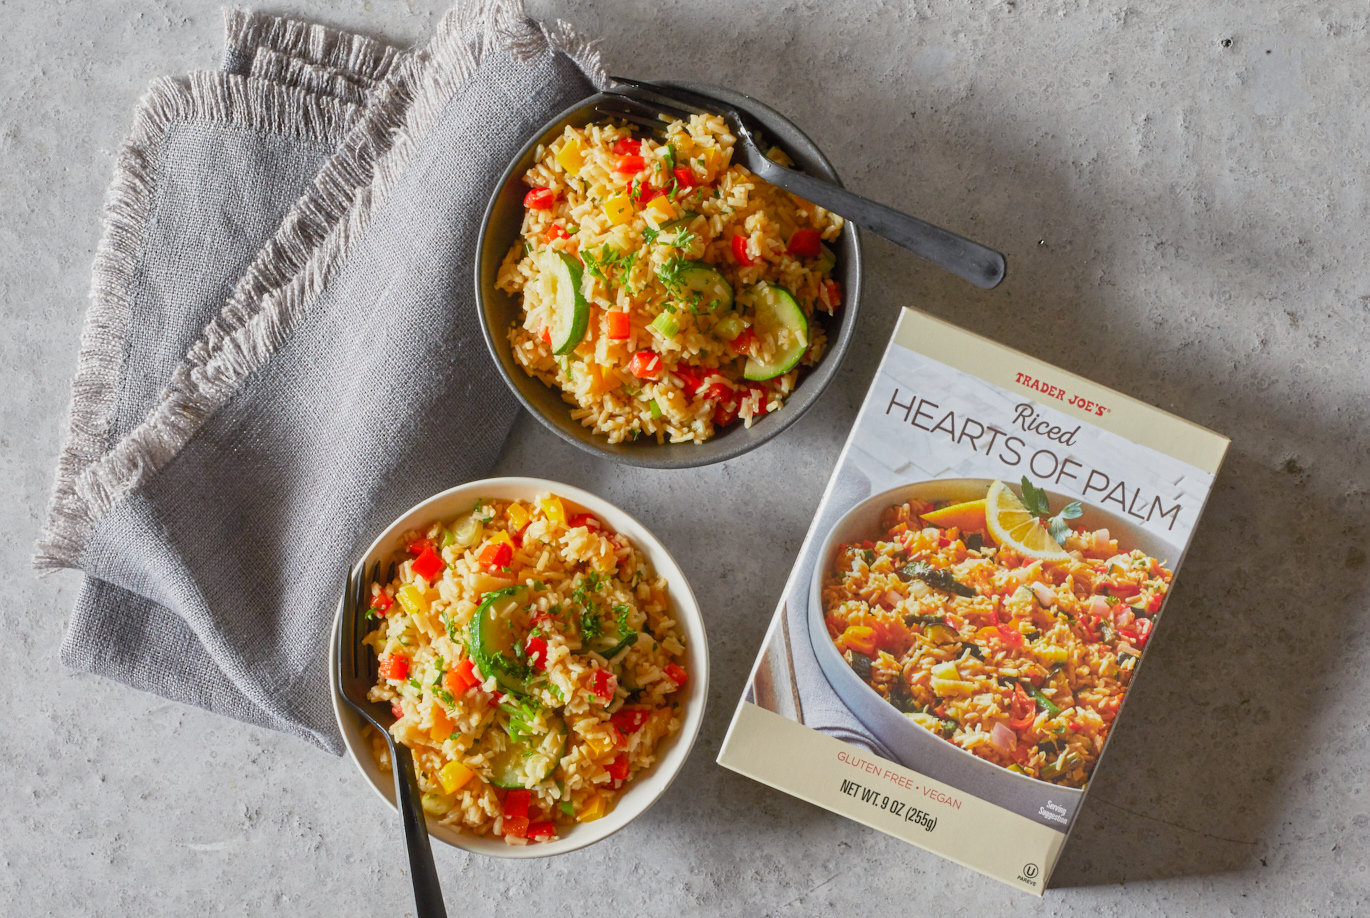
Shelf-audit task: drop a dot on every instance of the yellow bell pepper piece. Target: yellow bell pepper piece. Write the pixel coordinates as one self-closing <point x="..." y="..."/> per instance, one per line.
<point x="594" y="809"/>
<point x="660" y="210"/>
<point x="501" y="536"/>
<point x="453" y="777"/>
<point x="618" y="209"/>
<point x="413" y="600"/>
<point x="602" y="379"/>
<point x="518" y="515"/>
<point x="553" y="509"/>
<point x="858" y="638"/>
<point x="714" y="157"/>
<point x="571" y="155"/>
<point x="600" y="743"/>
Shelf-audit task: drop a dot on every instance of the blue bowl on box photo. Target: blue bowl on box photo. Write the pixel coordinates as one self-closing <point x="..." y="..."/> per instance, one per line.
<point x="912" y="745"/>
<point x="500" y="311"/>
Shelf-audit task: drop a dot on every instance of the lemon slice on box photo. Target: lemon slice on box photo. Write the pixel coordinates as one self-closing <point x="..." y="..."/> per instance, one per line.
<point x="1014" y="527"/>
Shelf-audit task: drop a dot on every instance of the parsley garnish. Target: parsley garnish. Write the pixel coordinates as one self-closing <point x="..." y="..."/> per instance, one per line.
<point x="1035" y="500"/>
<point x="683" y="238"/>
<point x="590" y="625"/>
<point x="609" y="262"/>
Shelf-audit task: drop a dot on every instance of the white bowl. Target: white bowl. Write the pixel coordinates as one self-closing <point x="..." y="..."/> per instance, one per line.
<point x="912" y="745"/>
<point x="646" y="786"/>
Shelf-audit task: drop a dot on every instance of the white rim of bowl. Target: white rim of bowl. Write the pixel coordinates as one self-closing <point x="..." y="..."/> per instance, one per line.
<point x="645" y="789"/>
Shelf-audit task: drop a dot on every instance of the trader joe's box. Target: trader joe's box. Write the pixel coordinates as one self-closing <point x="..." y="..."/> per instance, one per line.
<point x="980" y="585"/>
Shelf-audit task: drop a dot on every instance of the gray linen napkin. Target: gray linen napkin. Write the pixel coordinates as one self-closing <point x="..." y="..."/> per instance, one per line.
<point x="282" y="350"/>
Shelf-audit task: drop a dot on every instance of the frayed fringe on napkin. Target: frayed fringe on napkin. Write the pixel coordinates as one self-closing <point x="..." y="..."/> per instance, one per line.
<point x="406" y="94"/>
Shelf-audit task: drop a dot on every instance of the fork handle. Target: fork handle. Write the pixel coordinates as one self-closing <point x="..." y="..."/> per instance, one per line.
<point x="427" y="890"/>
<point x="968" y="260"/>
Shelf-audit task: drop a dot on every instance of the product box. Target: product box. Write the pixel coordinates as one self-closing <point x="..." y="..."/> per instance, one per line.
<point x="979" y="587"/>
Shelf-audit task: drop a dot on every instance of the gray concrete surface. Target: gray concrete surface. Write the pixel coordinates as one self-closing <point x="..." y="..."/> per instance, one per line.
<point x="1182" y="192"/>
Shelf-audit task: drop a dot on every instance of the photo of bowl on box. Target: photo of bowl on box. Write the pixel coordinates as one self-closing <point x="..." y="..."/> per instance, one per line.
<point x="977" y="592"/>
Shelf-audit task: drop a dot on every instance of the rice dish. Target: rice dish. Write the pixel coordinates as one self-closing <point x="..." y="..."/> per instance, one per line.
<point x="1020" y="660"/>
<point x="665" y="291"/>
<point x="531" y="660"/>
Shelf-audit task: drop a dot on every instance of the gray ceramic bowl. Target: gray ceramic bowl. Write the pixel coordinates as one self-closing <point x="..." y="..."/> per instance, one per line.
<point x="499" y="311"/>
<point x="912" y="745"/>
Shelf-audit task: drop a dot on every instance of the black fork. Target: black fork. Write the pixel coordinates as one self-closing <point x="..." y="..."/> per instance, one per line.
<point x="646" y="104"/>
<point x="356" y="674"/>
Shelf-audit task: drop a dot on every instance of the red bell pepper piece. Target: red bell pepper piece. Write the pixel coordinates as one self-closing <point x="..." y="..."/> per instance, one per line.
<point x="740" y="250"/>
<point x="381" y="602"/>
<point x="602" y="685"/>
<point x="428" y="564"/>
<point x="540" y="830"/>
<point x="690" y="379"/>
<point x="1024" y="709"/>
<point x="625" y="145"/>
<point x="1143" y="626"/>
<point x="618" y="768"/>
<point x="1122" y="589"/>
<point x="620" y="326"/>
<point x="516" y="802"/>
<point x="540" y="199"/>
<point x="743" y="342"/>
<point x="645" y="365"/>
<point x="588" y="520"/>
<point x="629" y="164"/>
<point x="676" y="674"/>
<point x="806" y="243"/>
<point x="496" y="556"/>
<point x="516" y="826"/>
<point x="831" y="294"/>
<point x="396" y="709"/>
<point x="1010" y="635"/>
<point x="762" y="397"/>
<point x="419" y="546"/>
<point x="684" y="177"/>
<point x="629" y="720"/>
<point x="726" y="405"/>
<point x="547" y="336"/>
<point x="555" y="232"/>
<point x="395" y="667"/>
<point x="725" y="412"/>
<point x="536" y="648"/>
<point x="1153" y="603"/>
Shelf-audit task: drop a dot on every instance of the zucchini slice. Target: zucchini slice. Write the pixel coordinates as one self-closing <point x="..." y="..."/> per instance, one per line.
<point x="780" y="323"/>
<point x="531" y="760"/>
<point x="560" y="275"/>
<point x="494" y="630"/>
<point x="697" y="284"/>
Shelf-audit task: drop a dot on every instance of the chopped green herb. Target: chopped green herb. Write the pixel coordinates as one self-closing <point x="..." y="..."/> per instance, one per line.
<point x="935" y="578"/>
